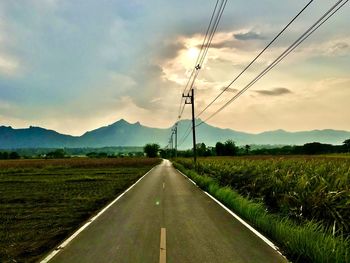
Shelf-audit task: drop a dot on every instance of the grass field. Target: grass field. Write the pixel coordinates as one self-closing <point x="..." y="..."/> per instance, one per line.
<point x="43" y="201"/>
<point x="336" y="155"/>
<point x="301" y="202"/>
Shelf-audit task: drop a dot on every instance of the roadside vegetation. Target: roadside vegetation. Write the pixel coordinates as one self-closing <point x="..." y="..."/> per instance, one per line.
<point x="44" y="201"/>
<point x="40" y="153"/>
<point x="229" y="148"/>
<point x="151" y="150"/>
<point x="302" y="203"/>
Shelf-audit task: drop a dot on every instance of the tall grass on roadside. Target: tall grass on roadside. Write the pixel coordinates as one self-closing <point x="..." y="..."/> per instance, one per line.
<point x="301" y="188"/>
<point x="308" y="242"/>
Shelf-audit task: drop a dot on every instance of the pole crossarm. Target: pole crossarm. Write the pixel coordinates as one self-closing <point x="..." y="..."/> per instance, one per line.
<point x="189" y="99"/>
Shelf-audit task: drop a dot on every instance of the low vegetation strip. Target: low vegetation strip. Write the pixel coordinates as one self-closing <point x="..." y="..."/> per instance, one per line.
<point x="305" y="241"/>
<point x="44" y="201"/>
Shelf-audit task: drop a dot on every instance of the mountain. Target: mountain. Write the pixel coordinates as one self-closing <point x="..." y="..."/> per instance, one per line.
<point x="123" y="133"/>
<point x="33" y="137"/>
<point x="210" y="135"/>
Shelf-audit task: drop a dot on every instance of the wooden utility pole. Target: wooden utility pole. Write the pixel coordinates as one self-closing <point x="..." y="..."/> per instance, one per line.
<point x="175" y="132"/>
<point x="172" y="143"/>
<point x="191" y="97"/>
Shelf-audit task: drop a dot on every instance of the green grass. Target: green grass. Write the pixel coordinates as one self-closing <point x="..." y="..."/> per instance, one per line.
<point x="44" y="201"/>
<point x="301" y="242"/>
<point x="302" y="188"/>
<point x="336" y="155"/>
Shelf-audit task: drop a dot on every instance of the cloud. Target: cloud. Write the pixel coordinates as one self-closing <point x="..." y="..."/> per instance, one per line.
<point x="95" y="63"/>
<point x="339" y="48"/>
<point x="228" y="40"/>
<point x="250" y="35"/>
<point x="8" y="65"/>
<point x="333" y="48"/>
<point x="170" y="49"/>
<point x="273" y="92"/>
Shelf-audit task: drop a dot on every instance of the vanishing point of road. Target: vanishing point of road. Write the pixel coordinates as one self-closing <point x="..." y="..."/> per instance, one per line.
<point x="166" y="218"/>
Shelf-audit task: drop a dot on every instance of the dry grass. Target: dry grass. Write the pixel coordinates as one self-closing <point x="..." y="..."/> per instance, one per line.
<point x="44" y="201"/>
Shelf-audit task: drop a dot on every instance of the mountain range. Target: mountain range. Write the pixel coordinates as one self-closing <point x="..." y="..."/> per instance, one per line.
<point x="123" y="133"/>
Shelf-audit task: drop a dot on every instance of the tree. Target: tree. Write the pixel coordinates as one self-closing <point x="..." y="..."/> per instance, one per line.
<point x="59" y="153"/>
<point x="247" y="149"/>
<point x="14" y="155"/>
<point x="151" y="150"/>
<point x="4" y="155"/>
<point x="201" y="149"/>
<point x="346" y="144"/>
<point x="230" y="148"/>
<point x="316" y="148"/>
<point x="220" y="149"/>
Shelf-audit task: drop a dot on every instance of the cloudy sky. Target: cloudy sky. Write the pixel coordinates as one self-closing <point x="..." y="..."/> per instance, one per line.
<point x="75" y="65"/>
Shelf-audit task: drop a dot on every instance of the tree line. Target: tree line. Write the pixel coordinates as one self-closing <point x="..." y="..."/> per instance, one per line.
<point x="9" y="155"/>
<point x="229" y="148"/>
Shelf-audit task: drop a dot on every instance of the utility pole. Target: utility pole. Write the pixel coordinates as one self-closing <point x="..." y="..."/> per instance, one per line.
<point x="172" y="144"/>
<point x="175" y="139"/>
<point x="191" y="97"/>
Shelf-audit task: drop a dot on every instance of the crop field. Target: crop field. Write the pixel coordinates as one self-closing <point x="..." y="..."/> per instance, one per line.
<point x="44" y="201"/>
<point x="310" y="192"/>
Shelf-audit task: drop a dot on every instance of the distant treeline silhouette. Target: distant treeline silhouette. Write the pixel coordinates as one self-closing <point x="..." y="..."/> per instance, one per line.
<point x="229" y="148"/>
<point x="9" y="155"/>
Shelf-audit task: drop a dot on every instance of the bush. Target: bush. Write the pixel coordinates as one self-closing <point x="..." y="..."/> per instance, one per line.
<point x="59" y="153"/>
<point x="151" y="150"/>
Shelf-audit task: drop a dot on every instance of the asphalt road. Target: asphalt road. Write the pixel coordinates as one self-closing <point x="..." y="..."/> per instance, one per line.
<point x="165" y="218"/>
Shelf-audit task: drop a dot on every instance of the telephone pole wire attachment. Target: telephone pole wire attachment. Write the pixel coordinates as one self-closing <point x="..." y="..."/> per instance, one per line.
<point x="191" y="101"/>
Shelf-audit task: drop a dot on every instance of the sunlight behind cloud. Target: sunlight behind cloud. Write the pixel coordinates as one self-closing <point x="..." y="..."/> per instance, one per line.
<point x="193" y="52"/>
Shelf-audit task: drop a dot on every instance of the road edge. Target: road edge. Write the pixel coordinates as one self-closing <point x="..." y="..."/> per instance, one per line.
<point x="247" y="225"/>
<point x="56" y="250"/>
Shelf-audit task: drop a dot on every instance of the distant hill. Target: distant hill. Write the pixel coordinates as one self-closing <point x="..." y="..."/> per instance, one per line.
<point x="123" y="133"/>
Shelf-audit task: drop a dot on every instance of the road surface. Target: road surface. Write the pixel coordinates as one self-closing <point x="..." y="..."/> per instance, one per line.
<point x="165" y="218"/>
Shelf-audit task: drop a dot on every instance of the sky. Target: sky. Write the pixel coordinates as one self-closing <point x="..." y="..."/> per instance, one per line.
<point x="77" y="65"/>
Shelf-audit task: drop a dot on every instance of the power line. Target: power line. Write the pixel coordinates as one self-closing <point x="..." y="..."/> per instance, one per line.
<point x="261" y="52"/>
<point x="212" y="27"/>
<point x="303" y="37"/>
<point x="181" y="109"/>
<point x="187" y="133"/>
<point x="207" y="45"/>
<point x="221" y="10"/>
<point x="190" y="94"/>
<point x="203" y="44"/>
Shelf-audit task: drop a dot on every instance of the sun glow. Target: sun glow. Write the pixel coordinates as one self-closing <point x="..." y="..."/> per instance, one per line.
<point x="192" y="52"/>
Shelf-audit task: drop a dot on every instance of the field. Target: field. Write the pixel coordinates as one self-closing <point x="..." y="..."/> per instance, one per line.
<point x="301" y="202"/>
<point x="44" y="201"/>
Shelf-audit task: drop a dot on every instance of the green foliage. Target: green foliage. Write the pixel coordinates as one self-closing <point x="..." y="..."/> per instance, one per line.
<point x="98" y="155"/>
<point x="247" y="149"/>
<point x="59" y="153"/>
<point x="203" y="150"/>
<point x="226" y="149"/>
<point x="307" y="242"/>
<point x="151" y="150"/>
<point x="219" y="149"/>
<point x="9" y="155"/>
<point x="308" y="148"/>
<point x="302" y="189"/>
<point x="346" y="144"/>
<point x="41" y="152"/>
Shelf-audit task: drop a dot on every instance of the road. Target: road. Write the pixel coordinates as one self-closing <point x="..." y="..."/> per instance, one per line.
<point x="166" y="218"/>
